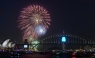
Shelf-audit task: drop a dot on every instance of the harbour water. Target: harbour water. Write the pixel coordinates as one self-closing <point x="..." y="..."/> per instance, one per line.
<point x="42" y="56"/>
<point x="56" y="56"/>
<point x="20" y="54"/>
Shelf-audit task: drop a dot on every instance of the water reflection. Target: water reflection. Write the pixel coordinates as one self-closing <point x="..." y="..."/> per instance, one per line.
<point x="57" y="57"/>
<point x="62" y="57"/>
<point x="46" y="57"/>
<point x="15" y="56"/>
<point x="73" y="57"/>
<point x="42" y="56"/>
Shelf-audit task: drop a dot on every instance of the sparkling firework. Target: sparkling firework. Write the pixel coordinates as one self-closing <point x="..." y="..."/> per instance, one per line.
<point x="40" y="30"/>
<point x="30" y="17"/>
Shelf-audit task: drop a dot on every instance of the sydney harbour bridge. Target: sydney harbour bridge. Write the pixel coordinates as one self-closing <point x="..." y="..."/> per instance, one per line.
<point x="72" y="42"/>
<point x="55" y="42"/>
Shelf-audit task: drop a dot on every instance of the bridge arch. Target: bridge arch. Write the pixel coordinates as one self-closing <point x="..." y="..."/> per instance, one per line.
<point x="74" y="39"/>
<point x="55" y="41"/>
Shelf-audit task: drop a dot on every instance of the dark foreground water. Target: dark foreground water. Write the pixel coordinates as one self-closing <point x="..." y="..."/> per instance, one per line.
<point x="43" y="56"/>
<point x="56" y="56"/>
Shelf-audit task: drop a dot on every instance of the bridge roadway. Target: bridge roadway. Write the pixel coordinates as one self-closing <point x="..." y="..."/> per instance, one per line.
<point x="43" y="46"/>
<point x="57" y="44"/>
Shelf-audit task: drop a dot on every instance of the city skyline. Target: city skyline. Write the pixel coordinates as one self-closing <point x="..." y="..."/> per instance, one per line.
<point x="75" y="17"/>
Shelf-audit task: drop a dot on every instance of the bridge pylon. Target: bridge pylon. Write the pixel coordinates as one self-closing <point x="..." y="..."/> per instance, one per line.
<point x="63" y="46"/>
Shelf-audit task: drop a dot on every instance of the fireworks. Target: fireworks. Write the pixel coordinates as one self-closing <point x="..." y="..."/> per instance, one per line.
<point x="34" y="21"/>
<point x="40" y="30"/>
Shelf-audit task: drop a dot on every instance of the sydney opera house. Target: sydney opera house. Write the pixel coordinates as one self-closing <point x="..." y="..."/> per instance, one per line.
<point x="7" y="44"/>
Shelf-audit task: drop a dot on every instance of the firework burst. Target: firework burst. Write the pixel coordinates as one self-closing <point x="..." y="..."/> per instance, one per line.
<point x="30" y="17"/>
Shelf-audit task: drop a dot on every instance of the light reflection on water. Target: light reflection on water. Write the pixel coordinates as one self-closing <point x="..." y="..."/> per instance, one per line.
<point x="70" y="57"/>
<point x="63" y="57"/>
<point x="48" y="57"/>
<point x="43" y="56"/>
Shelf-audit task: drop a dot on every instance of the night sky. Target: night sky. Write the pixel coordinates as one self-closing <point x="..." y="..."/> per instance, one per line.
<point x="74" y="17"/>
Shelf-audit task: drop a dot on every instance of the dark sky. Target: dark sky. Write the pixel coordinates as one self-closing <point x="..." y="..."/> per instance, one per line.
<point x="74" y="17"/>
